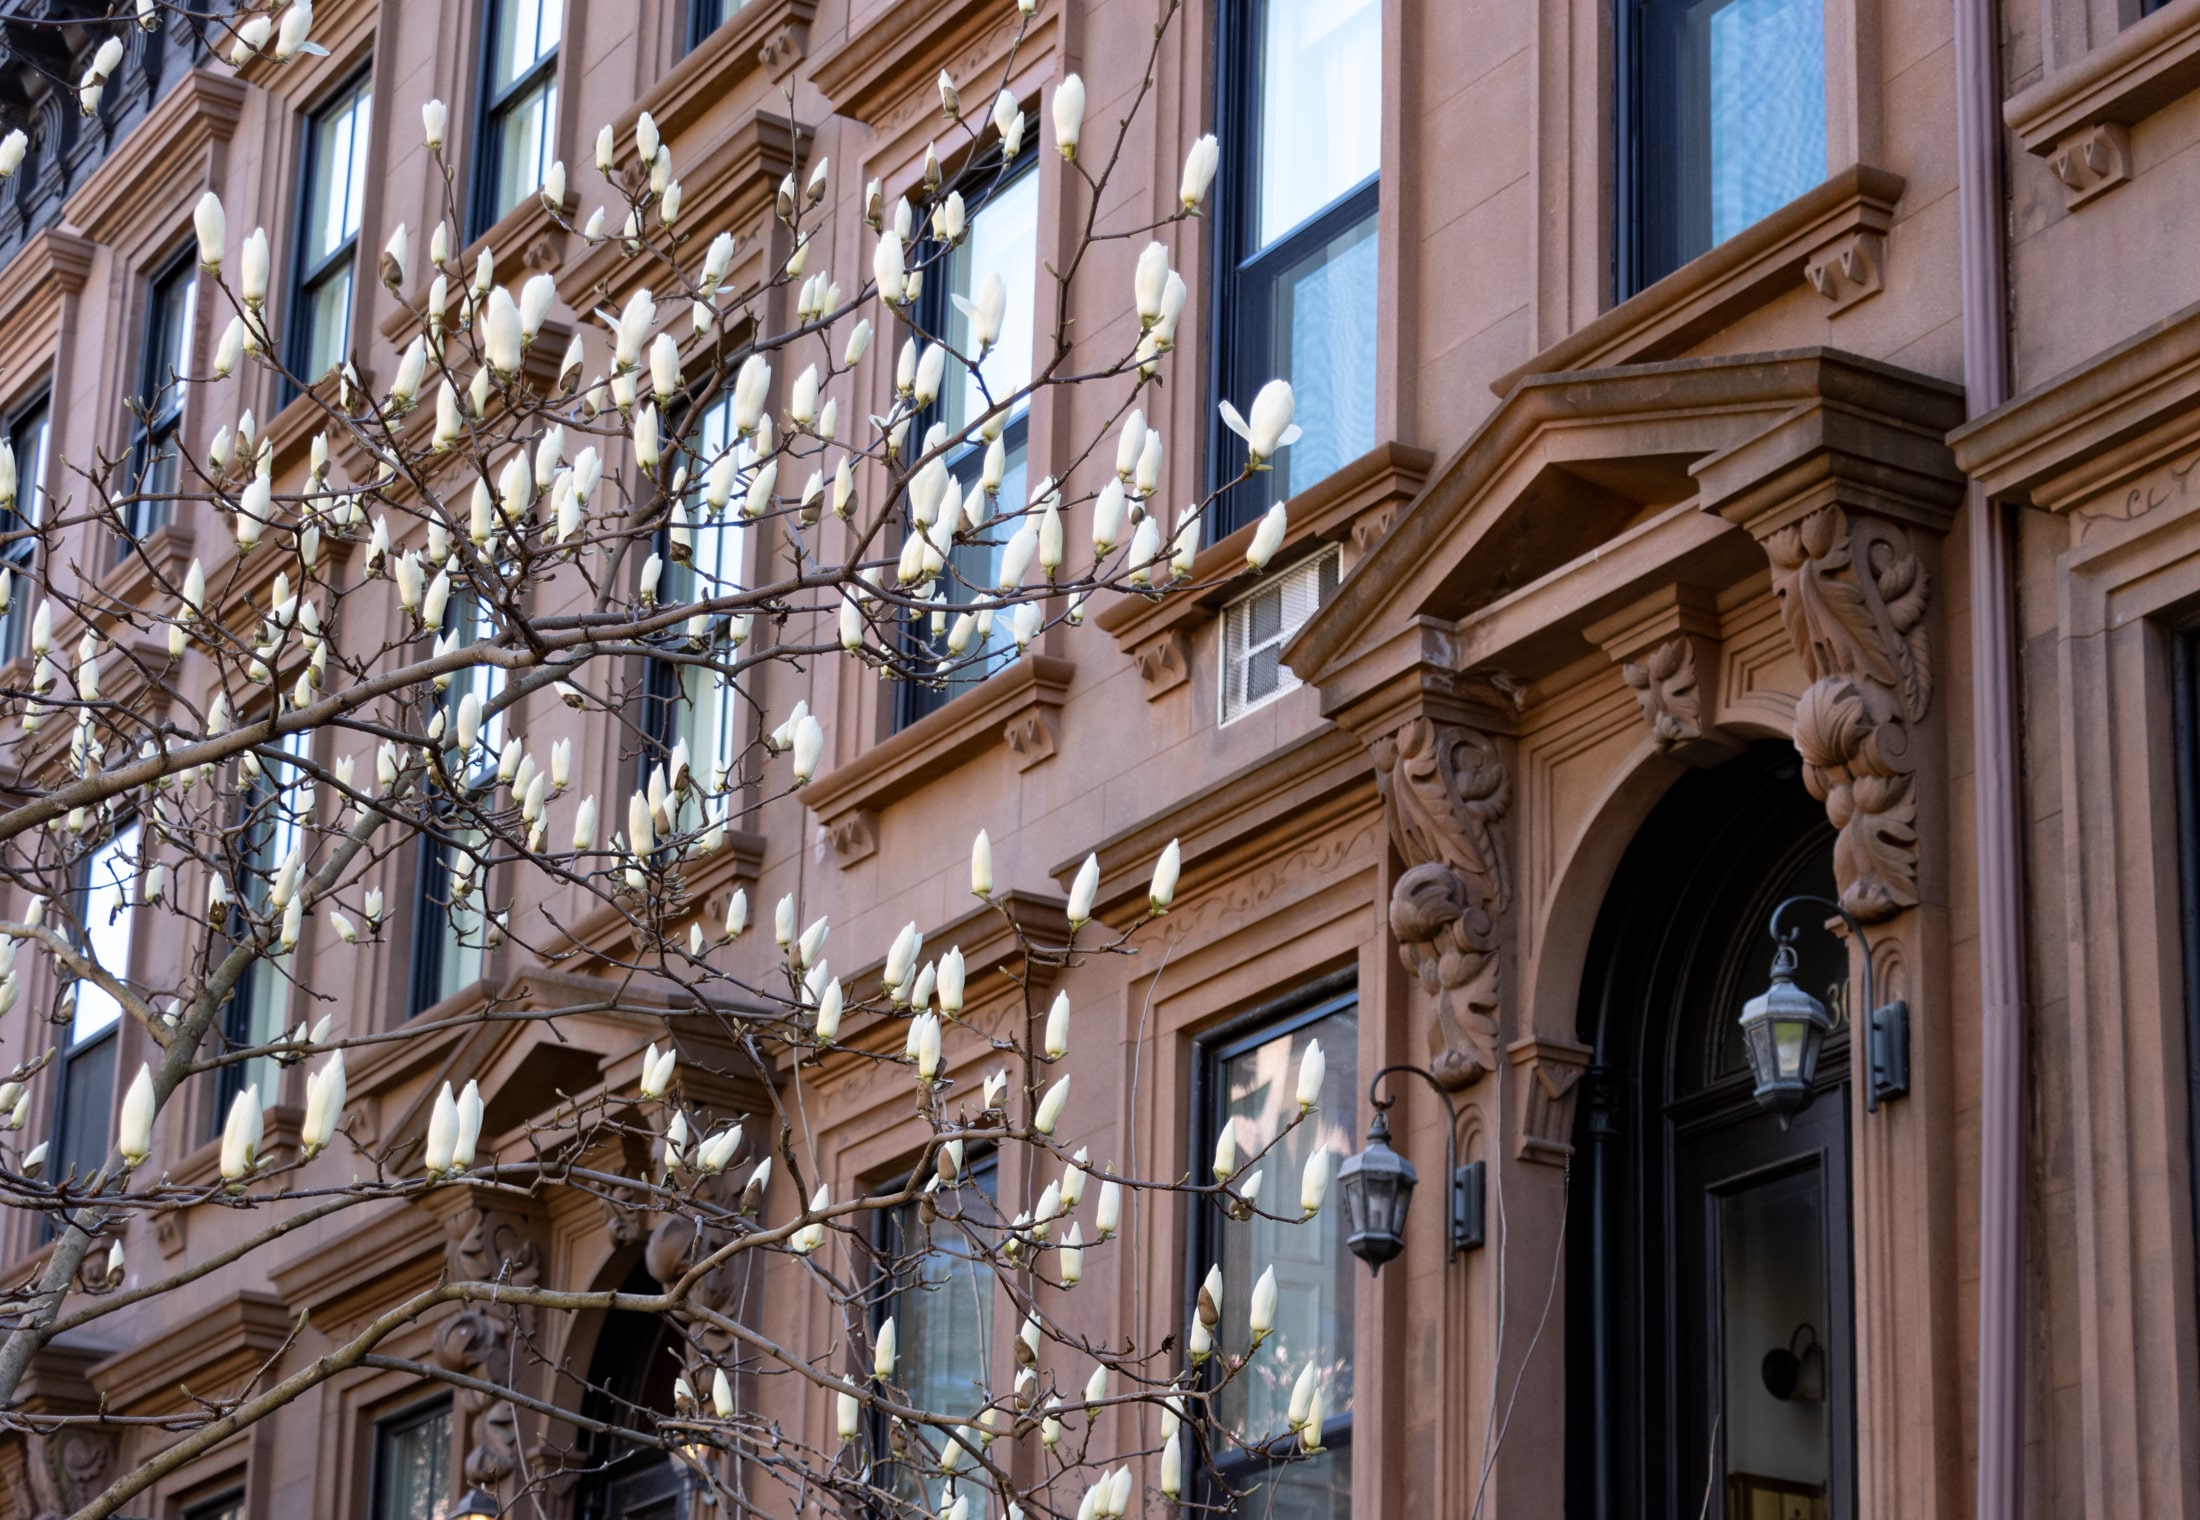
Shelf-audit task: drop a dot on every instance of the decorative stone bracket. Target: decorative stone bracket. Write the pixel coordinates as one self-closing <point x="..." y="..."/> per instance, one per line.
<point x="1552" y="1071"/>
<point x="487" y="1242"/>
<point x="2094" y="159"/>
<point x="1445" y="793"/>
<point x="1660" y="644"/>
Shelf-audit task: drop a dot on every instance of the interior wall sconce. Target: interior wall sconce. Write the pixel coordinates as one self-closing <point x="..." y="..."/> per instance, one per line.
<point x="1378" y="1184"/>
<point x="1796" y="1372"/>
<point x="1784" y="1026"/>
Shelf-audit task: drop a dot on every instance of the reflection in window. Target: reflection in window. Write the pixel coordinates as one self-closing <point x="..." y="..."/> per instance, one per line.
<point x="170" y="307"/>
<point x="695" y="704"/>
<point x="941" y="1298"/>
<point x="274" y="826"/>
<point x="28" y="434"/>
<point x="1299" y="276"/>
<point x="1773" y="1313"/>
<point x="450" y="928"/>
<point x="1001" y="238"/>
<point x="706" y="16"/>
<point x="328" y="239"/>
<point x="412" y="1465"/>
<point x="108" y="906"/>
<point x="521" y="114"/>
<point x="1254" y="1086"/>
<point x="1731" y="123"/>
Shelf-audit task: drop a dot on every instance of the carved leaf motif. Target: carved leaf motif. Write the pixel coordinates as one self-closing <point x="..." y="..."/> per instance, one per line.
<point x="1665" y="686"/>
<point x="1445" y="790"/>
<point x="1846" y="624"/>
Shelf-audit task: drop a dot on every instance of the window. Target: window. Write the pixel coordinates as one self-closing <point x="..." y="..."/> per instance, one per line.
<point x="1301" y="96"/>
<point x="86" y="1110"/>
<point x="1250" y="1081"/>
<point x="412" y="1465"/>
<point x="941" y="1298"/>
<point x="519" y="107"/>
<point x="450" y="933"/>
<point x="1723" y="121"/>
<point x="28" y="433"/>
<point x="229" y="1506"/>
<point x="170" y="308"/>
<point x="1001" y="238"/>
<point x="706" y="16"/>
<point x="328" y="232"/>
<point x="275" y="823"/>
<point x="1258" y="624"/>
<point x="695" y="704"/>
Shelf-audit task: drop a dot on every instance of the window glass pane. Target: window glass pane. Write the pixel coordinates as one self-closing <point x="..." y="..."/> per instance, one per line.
<point x="1321" y="106"/>
<point x="973" y="576"/>
<point x="1324" y="322"/>
<point x="28" y="438"/>
<point x="524" y="129"/>
<point x="168" y="354"/>
<point x="1002" y="238"/>
<point x="412" y="1469"/>
<point x="526" y="32"/>
<point x="1315" y="1275"/>
<point x="942" y="1303"/>
<point x="328" y="323"/>
<point x="458" y="924"/>
<point x="227" y="1507"/>
<point x="110" y="897"/>
<point x="1773" y="1313"/>
<point x="1755" y="87"/>
<point x="87" y="1107"/>
<point x="276" y="825"/>
<point x="339" y="153"/>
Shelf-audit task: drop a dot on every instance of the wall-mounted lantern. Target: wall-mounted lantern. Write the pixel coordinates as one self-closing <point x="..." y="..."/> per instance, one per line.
<point x="1378" y="1184"/>
<point x="1784" y="1026"/>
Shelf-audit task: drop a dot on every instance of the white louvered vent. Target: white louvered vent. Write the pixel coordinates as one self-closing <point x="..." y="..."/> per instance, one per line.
<point x="1257" y="625"/>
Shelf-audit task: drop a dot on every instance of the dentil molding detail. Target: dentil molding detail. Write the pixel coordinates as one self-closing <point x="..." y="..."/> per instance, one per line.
<point x="1445" y="791"/>
<point x="1852" y="596"/>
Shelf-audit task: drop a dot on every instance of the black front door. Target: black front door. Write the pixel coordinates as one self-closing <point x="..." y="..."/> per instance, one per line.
<point x="1708" y="1344"/>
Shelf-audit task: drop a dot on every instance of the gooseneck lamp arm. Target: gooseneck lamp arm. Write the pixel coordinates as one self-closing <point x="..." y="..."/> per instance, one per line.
<point x="1465" y="1183"/>
<point x="1887" y="1029"/>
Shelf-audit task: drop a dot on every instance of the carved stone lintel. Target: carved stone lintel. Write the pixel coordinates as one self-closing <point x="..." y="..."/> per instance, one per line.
<point x="1031" y="735"/>
<point x="1552" y="1071"/>
<point x="487" y="1243"/>
<point x="1852" y="595"/>
<point x="1665" y="685"/>
<point x="1164" y="661"/>
<point x="2091" y="161"/>
<point x="1848" y="269"/>
<point x="1445" y="791"/>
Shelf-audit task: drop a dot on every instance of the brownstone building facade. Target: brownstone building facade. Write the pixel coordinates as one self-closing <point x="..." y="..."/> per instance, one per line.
<point x="1747" y="455"/>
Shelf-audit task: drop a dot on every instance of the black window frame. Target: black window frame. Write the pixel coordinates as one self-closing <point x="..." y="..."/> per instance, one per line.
<point x="162" y="425"/>
<point x="493" y="106"/>
<point x="1243" y="276"/>
<point x="305" y="281"/>
<point x="1649" y="239"/>
<point x="704" y="17"/>
<point x="982" y="179"/>
<point x="21" y="555"/>
<point x="105" y="1042"/>
<point x="389" y="1426"/>
<point x="229" y="1502"/>
<point x="259" y="817"/>
<point x="1320" y="998"/>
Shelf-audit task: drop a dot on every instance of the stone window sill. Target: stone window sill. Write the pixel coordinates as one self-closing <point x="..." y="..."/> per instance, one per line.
<point x="2079" y="119"/>
<point x="1831" y="239"/>
<point x="1019" y="707"/>
<point x="1358" y="502"/>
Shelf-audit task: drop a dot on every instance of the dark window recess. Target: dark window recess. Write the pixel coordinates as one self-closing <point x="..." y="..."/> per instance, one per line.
<point x="1001" y="237"/>
<point x="518" y="120"/>
<point x="1298" y="103"/>
<point x="1721" y="120"/>
<point x="28" y="432"/>
<point x="706" y="16"/>
<point x="412" y="1464"/>
<point x="1248" y="1079"/>
<point x="2186" y="718"/>
<point x="84" y="1115"/>
<point x="171" y="308"/>
<point x="327" y="250"/>
<point x="229" y="1506"/>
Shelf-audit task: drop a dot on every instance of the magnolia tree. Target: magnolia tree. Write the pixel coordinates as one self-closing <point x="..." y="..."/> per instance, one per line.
<point x="516" y="535"/>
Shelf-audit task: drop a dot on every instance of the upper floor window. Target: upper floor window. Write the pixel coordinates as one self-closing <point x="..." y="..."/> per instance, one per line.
<point x="28" y="434"/>
<point x="275" y="822"/>
<point x="940" y="1295"/>
<point x="450" y="929"/>
<point x="171" y="308"/>
<point x="519" y="116"/>
<point x="328" y="234"/>
<point x="1000" y="241"/>
<point x="85" y="1112"/>
<point x="706" y="16"/>
<point x="1301" y="97"/>
<point x="412" y="1465"/>
<point x="229" y="1506"/>
<point x="695" y="703"/>
<point x="1251" y="1084"/>
<point x="1723" y="121"/>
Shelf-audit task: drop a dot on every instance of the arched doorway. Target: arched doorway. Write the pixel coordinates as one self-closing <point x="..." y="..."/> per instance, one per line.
<point x="630" y="1378"/>
<point x="1709" y="1359"/>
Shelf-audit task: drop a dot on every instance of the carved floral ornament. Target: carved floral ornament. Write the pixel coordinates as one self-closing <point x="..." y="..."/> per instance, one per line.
<point x="487" y="1244"/>
<point x="1445" y="792"/>
<point x="1664" y="683"/>
<point x="1852" y="596"/>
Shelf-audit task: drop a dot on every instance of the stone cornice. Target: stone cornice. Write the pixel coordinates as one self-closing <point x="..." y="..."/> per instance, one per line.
<point x="1752" y="269"/>
<point x="2147" y="65"/>
<point x="397" y="1249"/>
<point x="899" y="51"/>
<point x="127" y="199"/>
<point x="2080" y="433"/>
<point x="753" y="37"/>
<point x="204" y="1351"/>
<point x="989" y="948"/>
<point x="1017" y="706"/>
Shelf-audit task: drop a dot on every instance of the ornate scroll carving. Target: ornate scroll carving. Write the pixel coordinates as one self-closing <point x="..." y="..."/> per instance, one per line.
<point x="1445" y="791"/>
<point x="1665" y="684"/>
<point x="64" y="1471"/>
<point x="487" y="1244"/>
<point x="1852" y="596"/>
